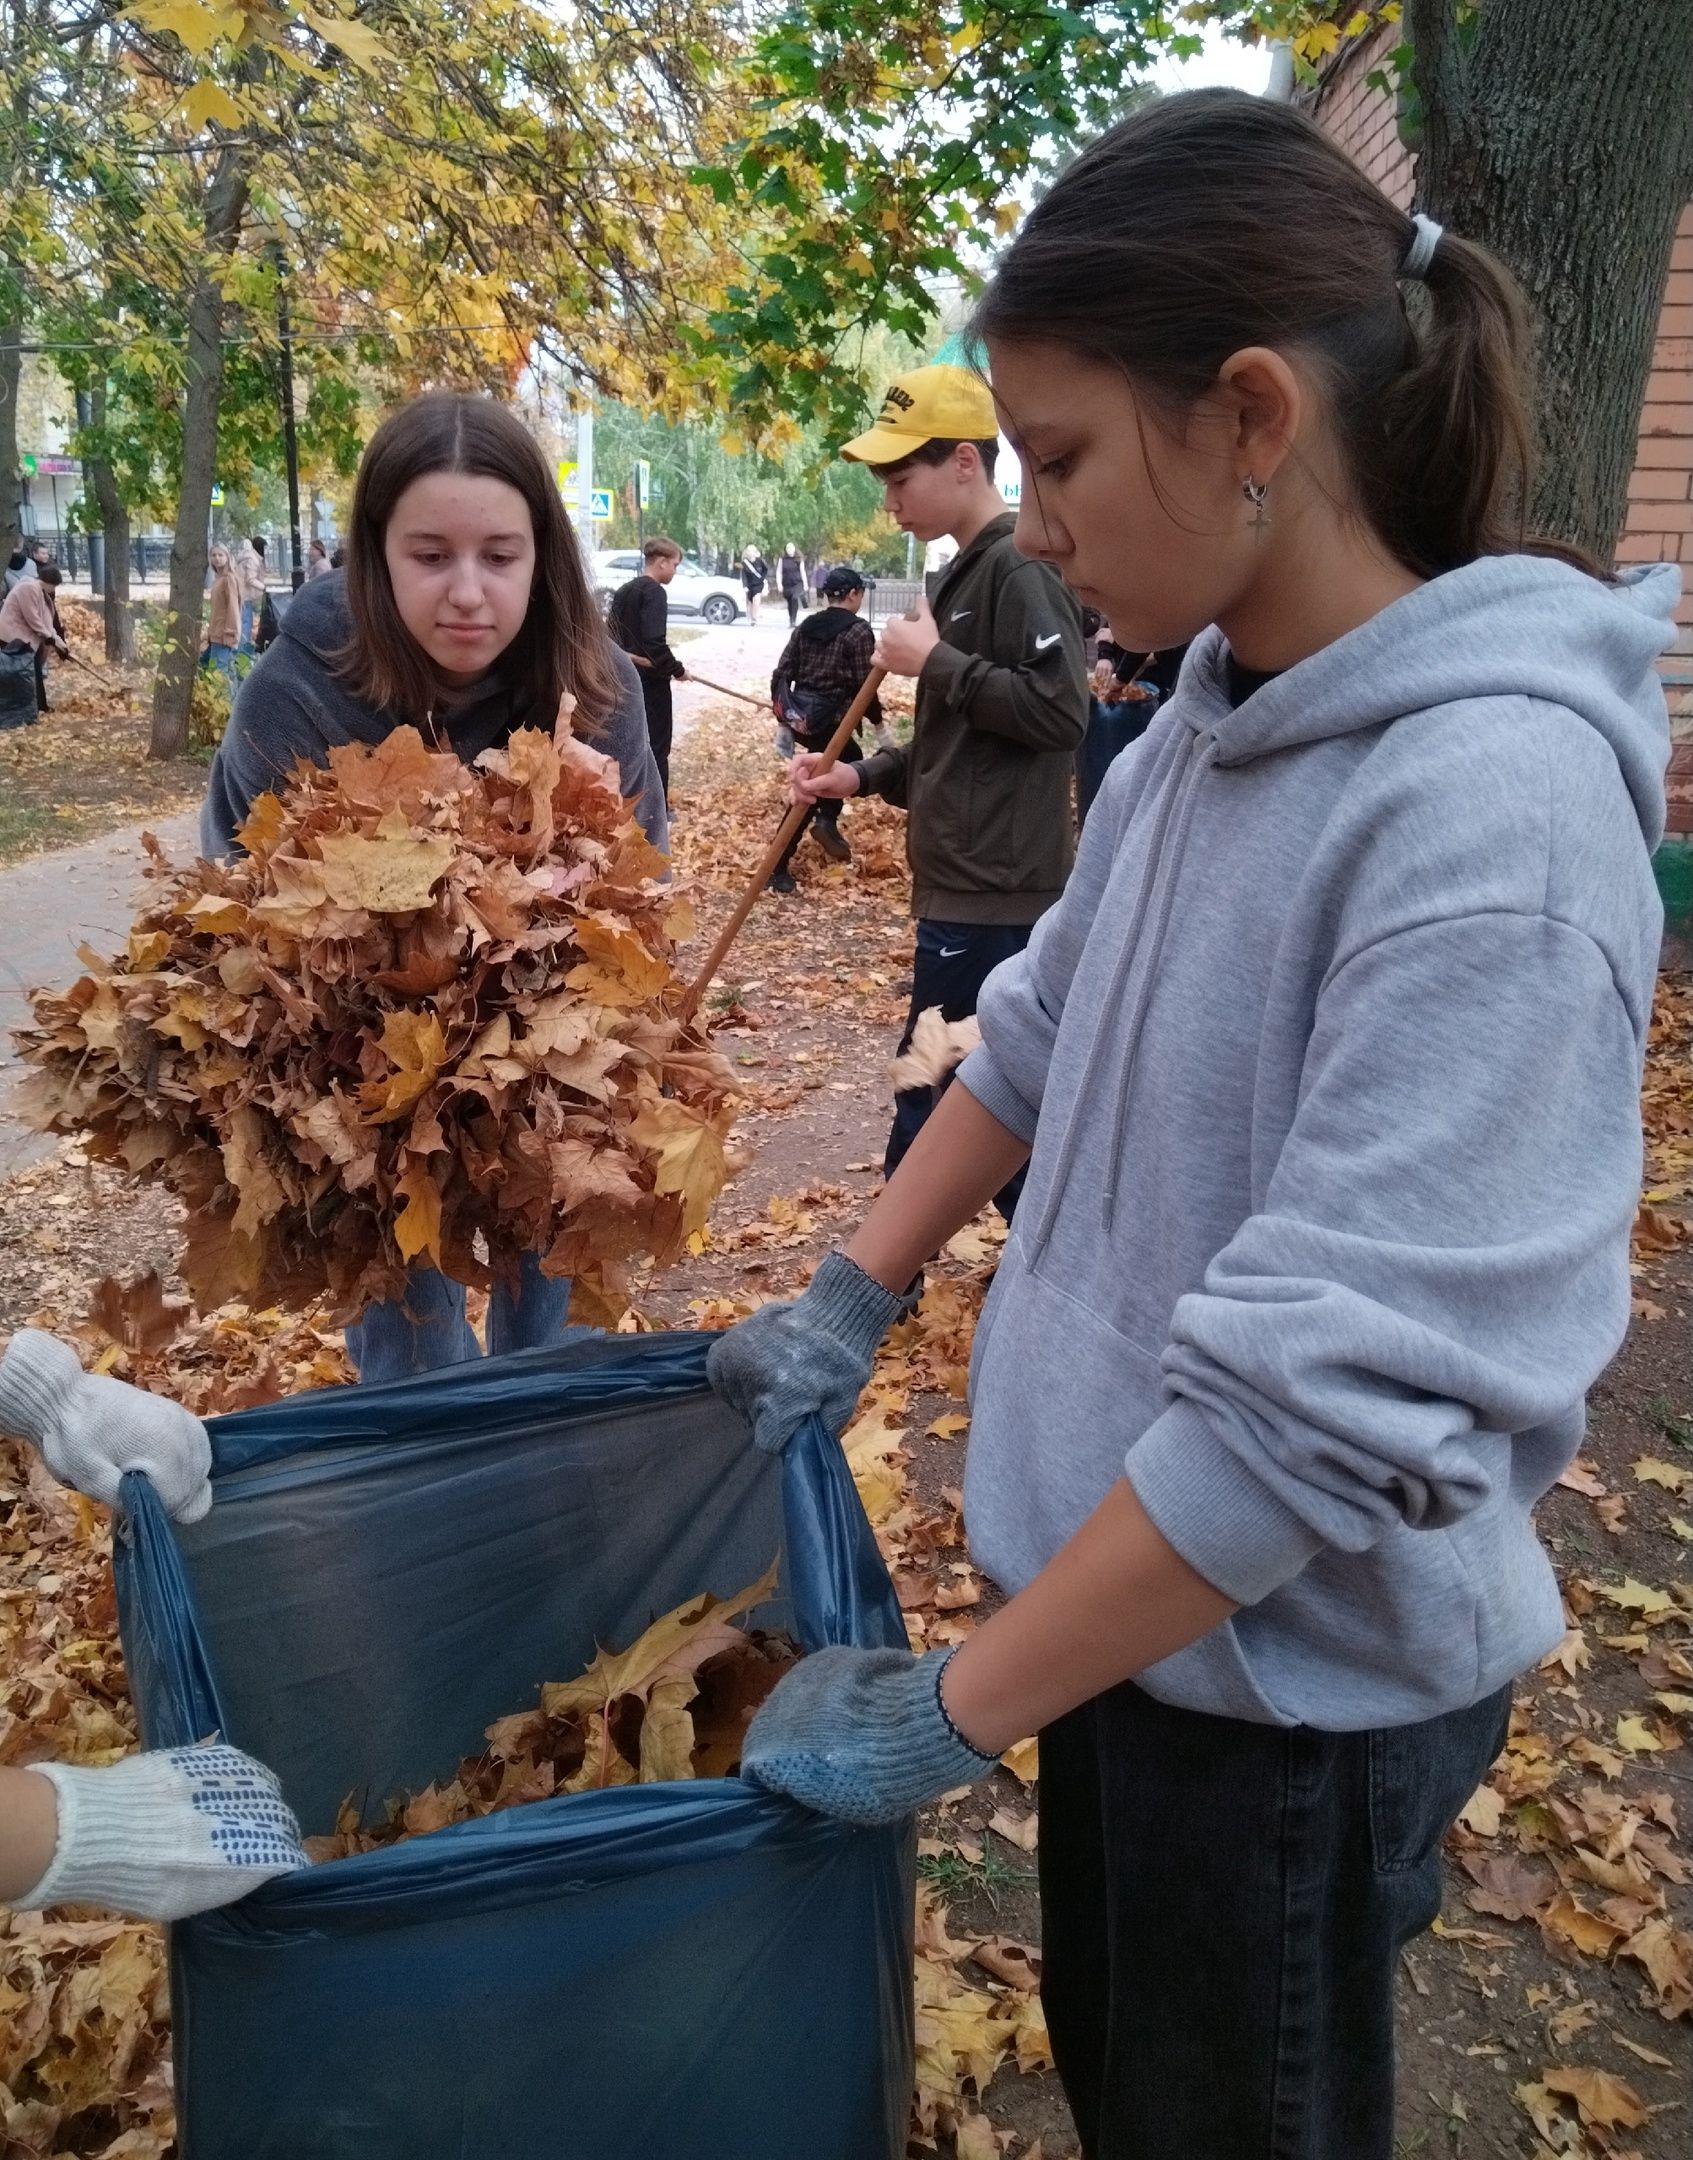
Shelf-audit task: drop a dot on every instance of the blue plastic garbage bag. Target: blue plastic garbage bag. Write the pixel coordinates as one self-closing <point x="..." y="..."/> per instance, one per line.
<point x="665" y="1972"/>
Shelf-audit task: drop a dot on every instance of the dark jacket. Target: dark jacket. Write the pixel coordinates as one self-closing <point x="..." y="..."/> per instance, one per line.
<point x="792" y="571"/>
<point x="1002" y="703"/>
<point x="638" y="619"/>
<point x="821" y="671"/>
<point x="295" y="705"/>
<point x="755" y="575"/>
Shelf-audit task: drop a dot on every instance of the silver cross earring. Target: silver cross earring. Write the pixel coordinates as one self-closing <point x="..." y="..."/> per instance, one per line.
<point x="1256" y="493"/>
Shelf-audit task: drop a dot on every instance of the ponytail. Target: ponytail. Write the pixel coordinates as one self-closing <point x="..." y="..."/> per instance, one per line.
<point x="1212" y="221"/>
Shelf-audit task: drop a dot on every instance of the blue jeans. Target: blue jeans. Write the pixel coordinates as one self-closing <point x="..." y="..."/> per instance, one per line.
<point x="247" y="611"/>
<point x="1222" y="1910"/>
<point x="1111" y="729"/>
<point x="222" y="657"/>
<point x="427" y="1327"/>
<point x="951" y="963"/>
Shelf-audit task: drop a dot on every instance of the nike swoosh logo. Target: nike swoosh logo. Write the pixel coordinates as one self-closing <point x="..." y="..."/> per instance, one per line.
<point x="1041" y="643"/>
<point x="950" y="952"/>
<point x="958" y="614"/>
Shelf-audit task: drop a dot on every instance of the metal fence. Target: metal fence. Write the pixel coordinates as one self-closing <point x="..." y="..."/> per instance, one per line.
<point x="893" y="596"/>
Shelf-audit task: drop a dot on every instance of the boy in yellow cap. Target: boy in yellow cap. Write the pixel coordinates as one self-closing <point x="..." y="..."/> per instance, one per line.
<point x="1002" y="703"/>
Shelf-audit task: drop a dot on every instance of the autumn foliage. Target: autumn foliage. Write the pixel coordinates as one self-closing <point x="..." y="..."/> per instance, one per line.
<point x="424" y="1018"/>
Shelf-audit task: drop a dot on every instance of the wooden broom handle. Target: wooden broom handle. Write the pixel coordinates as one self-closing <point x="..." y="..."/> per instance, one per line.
<point x="773" y="853"/>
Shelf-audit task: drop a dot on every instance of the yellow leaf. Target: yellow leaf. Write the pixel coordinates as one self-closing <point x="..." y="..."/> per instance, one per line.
<point x="417" y="1228"/>
<point x="417" y="1049"/>
<point x="1023" y="1760"/>
<point x="208" y="102"/>
<point x="1006" y="216"/>
<point x="1483" y="1812"/>
<point x="673" y="1648"/>
<point x="195" y="24"/>
<point x="361" y="45"/>
<point x="691" y="1161"/>
<point x="949" y="1426"/>
<point x="1637" y="1597"/>
<point x="1682" y="1529"/>
<point x="1637" y="1736"/>
<point x="393" y="872"/>
<point x="1599" y="2097"/>
<point x="1651" y="1471"/>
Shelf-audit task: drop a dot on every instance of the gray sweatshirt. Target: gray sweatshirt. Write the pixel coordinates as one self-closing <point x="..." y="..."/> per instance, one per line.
<point x="1330" y="1056"/>
<point x="295" y="705"/>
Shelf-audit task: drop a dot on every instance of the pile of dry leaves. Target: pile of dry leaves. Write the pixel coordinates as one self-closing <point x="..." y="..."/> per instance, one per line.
<point x="675" y="1704"/>
<point x="425" y="1017"/>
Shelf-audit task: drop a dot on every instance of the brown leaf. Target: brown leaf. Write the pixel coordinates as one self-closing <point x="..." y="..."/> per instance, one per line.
<point x="1599" y="2097"/>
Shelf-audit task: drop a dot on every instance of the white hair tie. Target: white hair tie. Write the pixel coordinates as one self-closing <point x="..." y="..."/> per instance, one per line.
<point x="1420" y="254"/>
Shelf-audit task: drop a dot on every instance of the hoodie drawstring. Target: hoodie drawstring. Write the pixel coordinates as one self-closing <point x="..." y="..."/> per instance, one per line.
<point x="1169" y="835"/>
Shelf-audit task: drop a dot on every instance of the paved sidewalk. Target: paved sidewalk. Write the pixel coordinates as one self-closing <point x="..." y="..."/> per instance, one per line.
<point x="48" y="906"/>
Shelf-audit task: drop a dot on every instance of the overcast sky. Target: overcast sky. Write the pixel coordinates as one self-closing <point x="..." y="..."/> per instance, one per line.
<point x="1243" y="67"/>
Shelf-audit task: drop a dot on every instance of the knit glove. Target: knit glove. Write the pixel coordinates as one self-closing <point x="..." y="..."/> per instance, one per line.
<point x="165" y="1835"/>
<point x="91" y="1429"/>
<point x="784" y="1361"/>
<point x="861" y="1734"/>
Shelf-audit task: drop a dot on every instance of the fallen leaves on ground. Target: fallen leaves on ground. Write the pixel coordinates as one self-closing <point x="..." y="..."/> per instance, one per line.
<point x="423" y="1018"/>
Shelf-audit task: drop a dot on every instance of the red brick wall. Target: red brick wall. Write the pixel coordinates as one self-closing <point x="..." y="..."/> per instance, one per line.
<point x="1659" y="523"/>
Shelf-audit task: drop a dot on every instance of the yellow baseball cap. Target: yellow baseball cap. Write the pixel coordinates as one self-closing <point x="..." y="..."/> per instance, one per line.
<point x="949" y="404"/>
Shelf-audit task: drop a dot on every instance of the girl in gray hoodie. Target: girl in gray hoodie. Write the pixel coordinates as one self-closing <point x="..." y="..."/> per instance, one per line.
<point x="1326" y="1071"/>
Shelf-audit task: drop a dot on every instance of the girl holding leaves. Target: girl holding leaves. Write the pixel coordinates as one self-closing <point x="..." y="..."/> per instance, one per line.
<point x="465" y="612"/>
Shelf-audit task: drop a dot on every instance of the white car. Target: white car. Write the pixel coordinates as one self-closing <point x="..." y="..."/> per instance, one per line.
<point x="692" y="591"/>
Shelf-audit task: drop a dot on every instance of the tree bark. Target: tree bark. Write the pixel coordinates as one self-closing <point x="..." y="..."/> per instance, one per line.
<point x="11" y="475"/>
<point x="114" y="522"/>
<point x="173" y="687"/>
<point x="1562" y="138"/>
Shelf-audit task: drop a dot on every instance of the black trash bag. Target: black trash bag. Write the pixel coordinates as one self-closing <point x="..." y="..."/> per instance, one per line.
<point x="689" y="1971"/>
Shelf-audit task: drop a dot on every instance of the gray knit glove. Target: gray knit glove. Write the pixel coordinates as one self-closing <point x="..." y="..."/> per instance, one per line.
<point x="91" y="1428"/>
<point x="784" y="1361"/>
<point x="165" y="1835"/>
<point x="861" y="1734"/>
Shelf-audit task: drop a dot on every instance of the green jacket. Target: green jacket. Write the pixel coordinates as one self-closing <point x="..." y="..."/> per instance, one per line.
<point x="1002" y="703"/>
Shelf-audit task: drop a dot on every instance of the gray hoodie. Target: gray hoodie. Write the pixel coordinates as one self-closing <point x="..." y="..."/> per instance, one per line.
<point x="295" y="705"/>
<point x="1330" y="1056"/>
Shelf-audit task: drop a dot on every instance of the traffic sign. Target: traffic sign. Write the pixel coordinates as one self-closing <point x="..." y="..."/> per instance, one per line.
<point x="29" y="465"/>
<point x="569" y="483"/>
<point x="217" y="494"/>
<point x="643" y="482"/>
<point x="600" y="505"/>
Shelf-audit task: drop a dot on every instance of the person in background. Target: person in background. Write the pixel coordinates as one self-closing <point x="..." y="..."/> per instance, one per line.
<point x="29" y="624"/>
<point x="819" y="578"/>
<point x="20" y="565"/>
<point x="639" y="621"/>
<point x="317" y="560"/>
<point x="755" y="577"/>
<point x="338" y="560"/>
<point x="1329" y="1062"/>
<point x="1001" y="705"/>
<point x="464" y="612"/>
<point x="159" y="1835"/>
<point x="250" y="575"/>
<point x="821" y="671"/>
<point x="1126" y="690"/>
<point x="223" y="622"/>
<point x="792" y="573"/>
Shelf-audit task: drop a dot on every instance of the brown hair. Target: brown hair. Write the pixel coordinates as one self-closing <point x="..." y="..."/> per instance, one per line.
<point x="937" y="450"/>
<point x="1214" y="220"/>
<point x="659" y="549"/>
<point x="562" y="644"/>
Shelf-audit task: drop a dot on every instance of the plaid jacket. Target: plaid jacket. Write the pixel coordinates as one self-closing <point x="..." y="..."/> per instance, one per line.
<point x="833" y="667"/>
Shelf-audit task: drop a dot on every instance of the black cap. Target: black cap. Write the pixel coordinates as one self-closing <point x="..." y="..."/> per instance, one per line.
<point x="843" y="579"/>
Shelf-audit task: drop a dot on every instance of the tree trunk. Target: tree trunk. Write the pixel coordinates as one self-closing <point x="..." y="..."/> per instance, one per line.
<point x="1562" y="138"/>
<point x="11" y="475"/>
<point x="173" y="687"/>
<point x="114" y="522"/>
